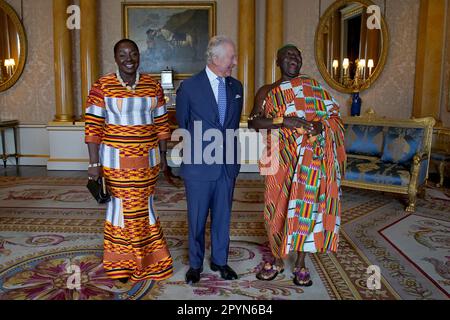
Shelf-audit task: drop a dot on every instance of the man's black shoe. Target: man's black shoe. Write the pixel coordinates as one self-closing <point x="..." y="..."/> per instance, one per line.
<point x="193" y="275"/>
<point x="225" y="271"/>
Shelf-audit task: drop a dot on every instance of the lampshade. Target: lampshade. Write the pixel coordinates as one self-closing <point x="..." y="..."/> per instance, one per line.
<point x="335" y="63"/>
<point x="9" y="62"/>
<point x="370" y="63"/>
<point x="362" y="63"/>
<point x="346" y="63"/>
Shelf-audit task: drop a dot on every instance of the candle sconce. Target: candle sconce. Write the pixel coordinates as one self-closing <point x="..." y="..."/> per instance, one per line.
<point x="10" y="65"/>
<point x="361" y="77"/>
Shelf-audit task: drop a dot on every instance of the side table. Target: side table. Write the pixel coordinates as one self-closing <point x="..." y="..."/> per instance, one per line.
<point x="4" y="125"/>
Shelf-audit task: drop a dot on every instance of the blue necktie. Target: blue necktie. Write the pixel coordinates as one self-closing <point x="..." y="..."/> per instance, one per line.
<point x="222" y="100"/>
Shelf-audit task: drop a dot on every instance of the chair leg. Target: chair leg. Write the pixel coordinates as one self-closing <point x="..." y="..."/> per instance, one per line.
<point x="4" y="156"/>
<point x="412" y="197"/>
<point x="421" y="193"/>
<point x="16" y="155"/>
<point x="441" y="174"/>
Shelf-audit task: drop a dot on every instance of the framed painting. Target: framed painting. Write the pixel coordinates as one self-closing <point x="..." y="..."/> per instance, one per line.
<point x="170" y="35"/>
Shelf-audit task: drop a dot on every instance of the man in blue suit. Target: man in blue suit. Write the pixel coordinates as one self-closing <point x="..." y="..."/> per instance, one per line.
<point x="210" y="102"/>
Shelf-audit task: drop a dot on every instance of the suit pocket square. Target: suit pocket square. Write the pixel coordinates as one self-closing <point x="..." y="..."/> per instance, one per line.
<point x="237" y="96"/>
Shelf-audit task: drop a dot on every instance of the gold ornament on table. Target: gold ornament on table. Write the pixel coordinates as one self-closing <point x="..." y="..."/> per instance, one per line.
<point x="167" y="79"/>
<point x="167" y="76"/>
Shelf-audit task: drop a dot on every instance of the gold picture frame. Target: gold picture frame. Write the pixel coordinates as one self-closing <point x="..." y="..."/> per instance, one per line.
<point x="320" y="47"/>
<point x="170" y="35"/>
<point x="20" y="60"/>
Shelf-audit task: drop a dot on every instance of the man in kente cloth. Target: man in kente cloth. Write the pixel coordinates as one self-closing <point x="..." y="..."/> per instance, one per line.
<point x="303" y="196"/>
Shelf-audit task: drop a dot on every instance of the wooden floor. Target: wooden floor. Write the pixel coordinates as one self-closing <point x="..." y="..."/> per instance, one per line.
<point x="38" y="171"/>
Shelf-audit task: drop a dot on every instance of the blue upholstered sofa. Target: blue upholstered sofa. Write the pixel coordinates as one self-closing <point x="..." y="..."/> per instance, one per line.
<point x="388" y="155"/>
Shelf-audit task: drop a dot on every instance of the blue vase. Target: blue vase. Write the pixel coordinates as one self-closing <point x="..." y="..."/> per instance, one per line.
<point x="356" y="104"/>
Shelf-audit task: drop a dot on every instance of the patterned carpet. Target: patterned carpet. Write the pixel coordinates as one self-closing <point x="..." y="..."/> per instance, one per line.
<point x="50" y="225"/>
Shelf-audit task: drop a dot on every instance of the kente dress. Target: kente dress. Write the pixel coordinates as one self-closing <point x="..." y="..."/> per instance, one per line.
<point x="128" y="125"/>
<point x="302" y="198"/>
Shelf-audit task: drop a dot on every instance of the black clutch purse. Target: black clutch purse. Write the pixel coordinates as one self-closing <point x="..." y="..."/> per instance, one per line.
<point x="98" y="190"/>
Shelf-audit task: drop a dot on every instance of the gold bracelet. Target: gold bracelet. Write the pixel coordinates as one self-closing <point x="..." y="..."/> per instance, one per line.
<point x="278" y="120"/>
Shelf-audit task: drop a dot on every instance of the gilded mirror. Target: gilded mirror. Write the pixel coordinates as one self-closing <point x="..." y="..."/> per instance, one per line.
<point x="13" y="49"/>
<point x="351" y="45"/>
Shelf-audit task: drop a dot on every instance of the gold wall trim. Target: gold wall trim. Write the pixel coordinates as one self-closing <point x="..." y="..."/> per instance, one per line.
<point x="62" y="124"/>
<point x="34" y="156"/>
<point x="88" y="49"/>
<point x="274" y="38"/>
<point x="246" y="48"/>
<point x="67" y="160"/>
<point x="62" y="51"/>
<point x="429" y="59"/>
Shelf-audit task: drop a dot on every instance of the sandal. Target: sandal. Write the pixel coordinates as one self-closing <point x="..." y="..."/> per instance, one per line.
<point x="268" y="271"/>
<point x="302" y="277"/>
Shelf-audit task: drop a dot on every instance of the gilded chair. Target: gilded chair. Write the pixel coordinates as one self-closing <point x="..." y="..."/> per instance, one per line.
<point x="440" y="151"/>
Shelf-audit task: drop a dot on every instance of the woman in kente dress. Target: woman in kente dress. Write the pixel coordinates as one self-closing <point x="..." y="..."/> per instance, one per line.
<point x="126" y="131"/>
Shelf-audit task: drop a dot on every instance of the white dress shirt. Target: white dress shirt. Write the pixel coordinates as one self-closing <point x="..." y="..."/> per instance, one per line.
<point x="214" y="82"/>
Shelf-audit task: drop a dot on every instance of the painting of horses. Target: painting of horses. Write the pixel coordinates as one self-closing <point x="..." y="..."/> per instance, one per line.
<point x="170" y="35"/>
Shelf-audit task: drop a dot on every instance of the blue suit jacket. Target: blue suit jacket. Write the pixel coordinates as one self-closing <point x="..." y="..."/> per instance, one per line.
<point x="196" y="102"/>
